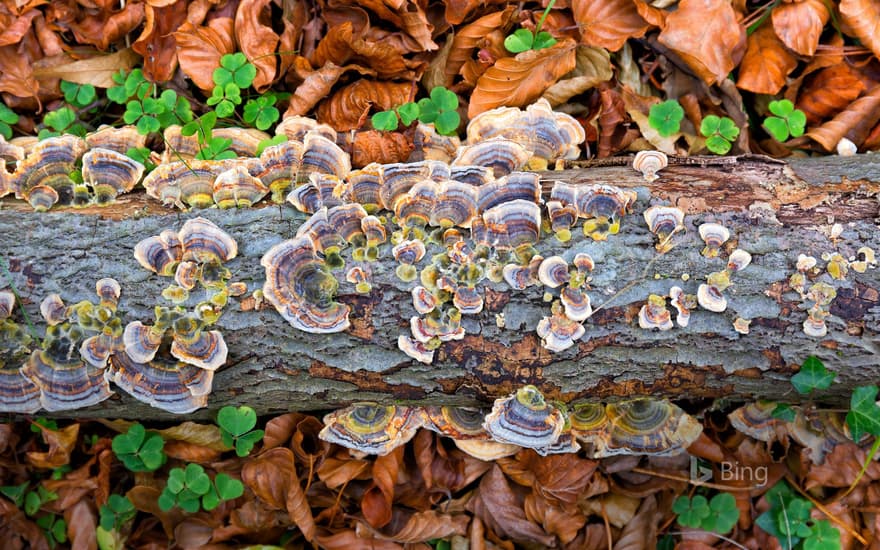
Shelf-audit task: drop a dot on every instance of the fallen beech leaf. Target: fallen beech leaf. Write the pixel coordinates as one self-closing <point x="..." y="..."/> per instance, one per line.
<point x="8" y="437"/>
<point x="863" y="17"/>
<point x="193" y="533"/>
<point x="382" y="147"/>
<point x="828" y="92"/>
<point x="608" y="23"/>
<point x="21" y="530"/>
<point x="279" y="429"/>
<point x="73" y="487"/>
<point x="97" y="71"/>
<point x="613" y="135"/>
<point x="416" y="527"/>
<point x="854" y="122"/>
<point x="342" y="44"/>
<point x="559" y="479"/>
<point x="562" y="523"/>
<point x="190" y="452"/>
<point x="377" y="500"/>
<point x="640" y="533"/>
<point x="618" y="508"/>
<point x="17" y="76"/>
<point x="707" y="36"/>
<point x="206" y="435"/>
<point x="457" y="11"/>
<point x="156" y="43"/>
<point x="337" y="470"/>
<point x="199" y="49"/>
<point x="305" y="443"/>
<point x="766" y="62"/>
<point x="272" y="477"/>
<point x="502" y="510"/>
<point x="592" y="66"/>
<point x="841" y="467"/>
<point x="348" y="540"/>
<point x="13" y="27"/>
<point x="467" y="38"/>
<point x="257" y="40"/>
<point x="81" y="525"/>
<point x="61" y="443"/>
<point x="414" y="21"/>
<point x="435" y="73"/>
<point x="799" y="24"/>
<point x="105" y="28"/>
<point x="146" y="500"/>
<point x="654" y="16"/>
<point x="349" y="106"/>
<point x="517" y="81"/>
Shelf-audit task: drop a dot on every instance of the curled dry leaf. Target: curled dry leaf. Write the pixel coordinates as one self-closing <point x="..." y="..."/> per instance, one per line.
<point x="799" y="24"/>
<point x="518" y="81"/>
<point x="841" y="467"/>
<point x="467" y="38"/>
<point x="272" y="477"/>
<point x="97" y="71"/>
<point x="199" y="49"/>
<point x="707" y="35"/>
<point x="206" y="435"/>
<point x="316" y="84"/>
<point x="350" y="106"/>
<point x="415" y="527"/>
<point x="338" y="469"/>
<point x="279" y="429"/>
<point x="592" y="66"/>
<point x="641" y="532"/>
<point x="156" y="43"/>
<point x="766" y="62"/>
<point x="377" y="500"/>
<point x="146" y="499"/>
<point x="103" y="28"/>
<point x="257" y="40"/>
<point x="854" y="122"/>
<point x="382" y="147"/>
<point x="343" y="43"/>
<point x="458" y="10"/>
<point x="61" y="443"/>
<point x="565" y="524"/>
<point x="828" y="92"/>
<point x="22" y="531"/>
<point x="558" y="478"/>
<point x="17" y="77"/>
<point x="190" y="452"/>
<point x="863" y="17"/>
<point x="14" y="27"/>
<point x="81" y="525"/>
<point x="652" y="15"/>
<point x="608" y="23"/>
<point x="346" y="540"/>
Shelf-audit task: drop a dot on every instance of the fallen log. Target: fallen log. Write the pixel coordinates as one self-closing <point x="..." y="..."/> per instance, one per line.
<point x="773" y="210"/>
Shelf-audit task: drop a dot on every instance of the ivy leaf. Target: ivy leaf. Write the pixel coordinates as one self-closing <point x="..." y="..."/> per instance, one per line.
<point x="784" y="412"/>
<point x="813" y="375"/>
<point x="520" y="41"/>
<point x="864" y="414"/>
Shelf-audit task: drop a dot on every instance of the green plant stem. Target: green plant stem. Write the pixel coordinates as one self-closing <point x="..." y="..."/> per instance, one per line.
<point x="544" y="16"/>
<point x="874" y="448"/>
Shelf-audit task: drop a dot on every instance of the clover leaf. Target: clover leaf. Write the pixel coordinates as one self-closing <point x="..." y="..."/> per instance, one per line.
<point x="384" y="121"/>
<point x="723" y="514"/>
<point x="234" y="69"/>
<point x="261" y="112"/>
<point x="116" y="512"/>
<point x="138" y="450"/>
<point x="666" y="117"/>
<point x="7" y="119"/>
<point x="788" y="122"/>
<point x="691" y="511"/>
<point x="719" y="133"/>
<point x="235" y="428"/>
<point x="409" y="113"/>
<point x="78" y="95"/>
<point x="822" y="537"/>
<point x="520" y="41"/>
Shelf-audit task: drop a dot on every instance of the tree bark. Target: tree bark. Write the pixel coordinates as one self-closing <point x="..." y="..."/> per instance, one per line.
<point x="774" y="210"/>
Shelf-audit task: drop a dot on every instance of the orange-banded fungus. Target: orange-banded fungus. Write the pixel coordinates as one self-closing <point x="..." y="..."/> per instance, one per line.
<point x="17" y="393"/>
<point x="301" y="287"/>
<point x="279" y="167"/>
<point x="360" y="278"/>
<point x="362" y="186"/>
<point x="509" y="225"/>
<point x="110" y="173"/>
<point x="814" y="325"/>
<point x="739" y="259"/>
<point x="424" y="301"/>
<point x="460" y="423"/>
<point x="583" y="262"/>
<point x="649" y="426"/>
<point x="576" y="303"/>
<point x="444" y="327"/>
<point x="95" y="350"/>
<point x="558" y="332"/>
<point x="65" y="382"/>
<point x="237" y="188"/>
<point x="415" y="349"/>
<point x="502" y="155"/>
<point x="683" y="304"/>
<point x="372" y="428"/>
<point x="474" y="175"/>
<point x="160" y="254"/>
<point x="374" y="230"/>
<point x="244" y="142"/>
<point x="654" y="314"/>
<point x="163" y="383"/>
<point x="346" y="218"/>
<point x="296" y="127"/>
<point x="525" y="419"/>
<point x="714" y="235"/>
<point x="711" y="298"/>
<point x="525" y="186"/>
<point x="117" y="139"/>
<point x="206" y="349"/>
<point x="520" y="277"/>
<point x="53" y="309"/>
<point x="409" y="252"/>
<point x="322" y="234"/>
<point x="756" y="420"/>
<point x="468" y="300"/>
<point x="399" y="178"/>
<point x="455" y="204"/>
<point x="429" y="145"/>
<point x="187" y="275"/>
<point x="741" y="325"/>
<point x="414" y="208"/>
<point x="190" y="182"/>
<point x="108" y="290"/>
<point x="562" y="219"/>
<point x="323" y="156"/>
<point x="589" y="424"/>
<point x="43" y="177"/>
<point x="664" y="222"/>
<point x="204" y="242"/>
<point x="141" y="342"/>
<point x="865" y="258"/>
<point x="565" y="193"/>
<point x="603" y="206"/>
<point x="649" y="163"/>
<point x="553" y="272"/>
<point x="566" y="443"/>
<point x="492" y="123"/>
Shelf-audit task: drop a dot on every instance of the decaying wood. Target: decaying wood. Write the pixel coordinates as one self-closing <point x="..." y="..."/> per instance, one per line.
<point x="774" y="211"/>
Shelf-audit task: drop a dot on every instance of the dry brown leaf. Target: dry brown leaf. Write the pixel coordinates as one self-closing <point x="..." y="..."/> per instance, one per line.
<point x="640" y="533"/>
<point x="413" y="527"/>
<point x="652" y="15"/>
<point x="279" y="429"/>
<point x="467" y="38"/>
<point x="828" y="92"/>
<point x="97" y="71"/>
<point x="592" y="66"/>
<point x="336" y="471"/>
<point x="21" y="531"/>
<point x="348" y="108"/>
<point x="502" y="510"/>
<point x="349" y="540"/>
<point x="766" y="63"/>
<point x="106" y="28"/>
<point x="841" y="467"/>
<point x="190" y="452"/>
<point x="13" y="27"/>
<point x="257" y="40"/>
<point x="518" y="81"/>
<point x="199" y="49"/>
<point x="271" y="475"/>
<point x="863" y="17"/>
<point x="414" y="21"/>
<point x="61" y="443"/>
<point x="799" y="24"/>
<point x="707" y="36"/>
<point x="206" y="435"/>
<point x="612" y="115"/>
<point x="562" y="523"/>
<point x="377" y="500"/>
<point x="382" y="147"/>
<point x="342" y="44"/>
<point x="156" y="43"/>
<point x="81" y="525"/>
<point x="146" y="500"/>
<point x="17" y="76"/>
<point x="559" y="478"/>
<point x="608" y="23"/>
<point x="854" y="122"/>
<point x="193" y="533"/>
<point x="316" y="85"/>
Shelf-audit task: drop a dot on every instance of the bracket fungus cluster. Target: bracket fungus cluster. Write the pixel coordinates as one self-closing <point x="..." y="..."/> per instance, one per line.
<point x="522" y="420"/>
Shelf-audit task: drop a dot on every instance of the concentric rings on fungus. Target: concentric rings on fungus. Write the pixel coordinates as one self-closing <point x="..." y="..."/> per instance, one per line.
<point x="116" y="139"/>
<point x="649" y="426"/>
<point x="372" y="428"/>
<point x="664" y="221"/>
<point x="461" y="423"/>
<point x="576" y="303"/>
<point x="204" y="242"/>
<point x="296" y="127"/>
<point x="468" y="300"/>
<point x="110" y="173"/>
<point x="279" y="167"/>
<point x="399" y="178"/>
<point x="237" y="188"/>
<point x="525" y="186"/>
<point x="163" y="383"/>
<point x="502" y="155"/>
<point x="160" y="254"/>
<point x="558" y="332"/>
<point x="323" y="156"/>
<point x="714" y="235"/>
<point x="654" y="314"/>
<point x="553" y="272"/>
<point x="508" y="225"/>
<point x="602" y="207"/>
<point x="455" y="204"/>
<point x="362" y="186"/>
<point x="525" y="419"/>
<point x="43" y="177"/>
<point x="301" y="287"/>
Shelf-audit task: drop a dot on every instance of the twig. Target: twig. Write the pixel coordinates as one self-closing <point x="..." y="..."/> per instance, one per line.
<point x="698" y="483"/>
<point x="722" y="537"/>
<point x="821" y="507"/>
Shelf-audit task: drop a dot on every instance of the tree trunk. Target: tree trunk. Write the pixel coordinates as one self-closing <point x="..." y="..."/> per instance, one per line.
<point x="773" y="210"/>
